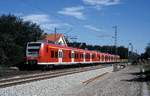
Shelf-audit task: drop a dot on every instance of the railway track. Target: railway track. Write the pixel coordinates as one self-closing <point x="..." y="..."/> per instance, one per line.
<point x="41" y="76"/>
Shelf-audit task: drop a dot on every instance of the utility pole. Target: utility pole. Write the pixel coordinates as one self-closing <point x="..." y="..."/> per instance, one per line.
<point x="115" y="44"/>
<point x="115" y="39"/>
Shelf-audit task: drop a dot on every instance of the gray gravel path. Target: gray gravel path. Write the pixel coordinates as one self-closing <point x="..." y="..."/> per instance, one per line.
<point x="52" y="87"/>
<point x="114" y="84"/>
<point x="91" y="83"/>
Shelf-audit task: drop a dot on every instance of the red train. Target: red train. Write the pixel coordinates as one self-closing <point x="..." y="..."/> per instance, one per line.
<point x="41" y="53"/>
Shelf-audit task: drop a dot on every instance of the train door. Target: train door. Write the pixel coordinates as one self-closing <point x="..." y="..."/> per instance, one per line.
<point x="90" y="57"/>
<point x="60" y="55"/>
<point x="84" y="57"/>
<point x="72" y="56"/>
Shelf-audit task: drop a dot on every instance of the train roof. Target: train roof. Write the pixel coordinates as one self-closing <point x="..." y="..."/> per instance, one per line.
<point x="75" y="49"/>
<point x="71" y="48"/>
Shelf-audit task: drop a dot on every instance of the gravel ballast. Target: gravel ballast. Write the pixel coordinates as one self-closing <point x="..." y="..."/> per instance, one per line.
<point x="58" y="86"/>
<point x="120" y="83"/>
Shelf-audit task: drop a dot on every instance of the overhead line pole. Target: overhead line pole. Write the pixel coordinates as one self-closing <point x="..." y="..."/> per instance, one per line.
<point x="115" y="44"/>
<point x="115" y="39"/>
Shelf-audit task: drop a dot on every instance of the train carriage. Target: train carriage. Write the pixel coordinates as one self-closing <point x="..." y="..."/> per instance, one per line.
<point x="87" y="56"/>
<point x="40" y="53"/>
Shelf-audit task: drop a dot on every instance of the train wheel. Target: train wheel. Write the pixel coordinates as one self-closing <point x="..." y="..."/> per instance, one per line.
<point x="22" y="67"/>
<point x="47" y="67"/>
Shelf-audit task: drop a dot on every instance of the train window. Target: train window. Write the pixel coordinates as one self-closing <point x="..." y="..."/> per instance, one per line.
<point x="52" y="54"/>
<point x="114" y="58"/>
<point x="76" y="56"/>
<point x="98" y="57"/>
<point x="56" y="54"/>
<point x="72" y="55"/>
<point x="69" y="55"/>
<point x="102" y="58"/>
<point x="60" y="54"/>
<point x="93" y="56"/>
<point x="64" y="55"/>
<point x="33" y="50"/>
<point x="111" y="58"/>
<point x="87" y="56"/>
<point x="106" y="58"/>
<point x="81" y="55"/>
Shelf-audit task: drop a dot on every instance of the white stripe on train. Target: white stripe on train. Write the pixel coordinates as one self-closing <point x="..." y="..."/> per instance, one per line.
<point x="66" y="63"/>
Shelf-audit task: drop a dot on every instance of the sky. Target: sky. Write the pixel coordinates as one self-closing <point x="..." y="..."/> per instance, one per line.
<point x="89" y="21"/>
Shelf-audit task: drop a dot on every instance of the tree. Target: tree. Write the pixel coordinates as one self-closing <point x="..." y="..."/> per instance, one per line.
<point x="14" y="35"/>
<point x="148" y="50"/>
<point x="146" y="54"/>
<point x="122" y="51"/>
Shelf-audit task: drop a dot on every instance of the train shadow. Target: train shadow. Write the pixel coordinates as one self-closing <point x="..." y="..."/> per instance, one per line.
<point x="139" y="77"/>
<point x="59" y="67"/>
<point x="73" y="66"/>
<point x="24" y="67"/>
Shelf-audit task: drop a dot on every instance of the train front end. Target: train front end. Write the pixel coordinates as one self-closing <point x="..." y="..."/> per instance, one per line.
<point x="33" y="52"/>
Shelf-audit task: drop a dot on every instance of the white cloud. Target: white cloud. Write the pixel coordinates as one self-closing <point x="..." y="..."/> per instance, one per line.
<point x="92" y="28"/>
<point x="98" y="4"/>
<point x="101" y="2"/>
<point x="37" y="18"/>
<point x="45" y="22"/>
<point x="76" y="12"/>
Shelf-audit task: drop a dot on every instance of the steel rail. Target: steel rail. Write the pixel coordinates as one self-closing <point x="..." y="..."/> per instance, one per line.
<point x="34" y="77"/>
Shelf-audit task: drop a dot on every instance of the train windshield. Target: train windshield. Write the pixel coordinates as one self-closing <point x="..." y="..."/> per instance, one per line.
<point x="34" y="44"/>
<point x="33" y="49"/>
